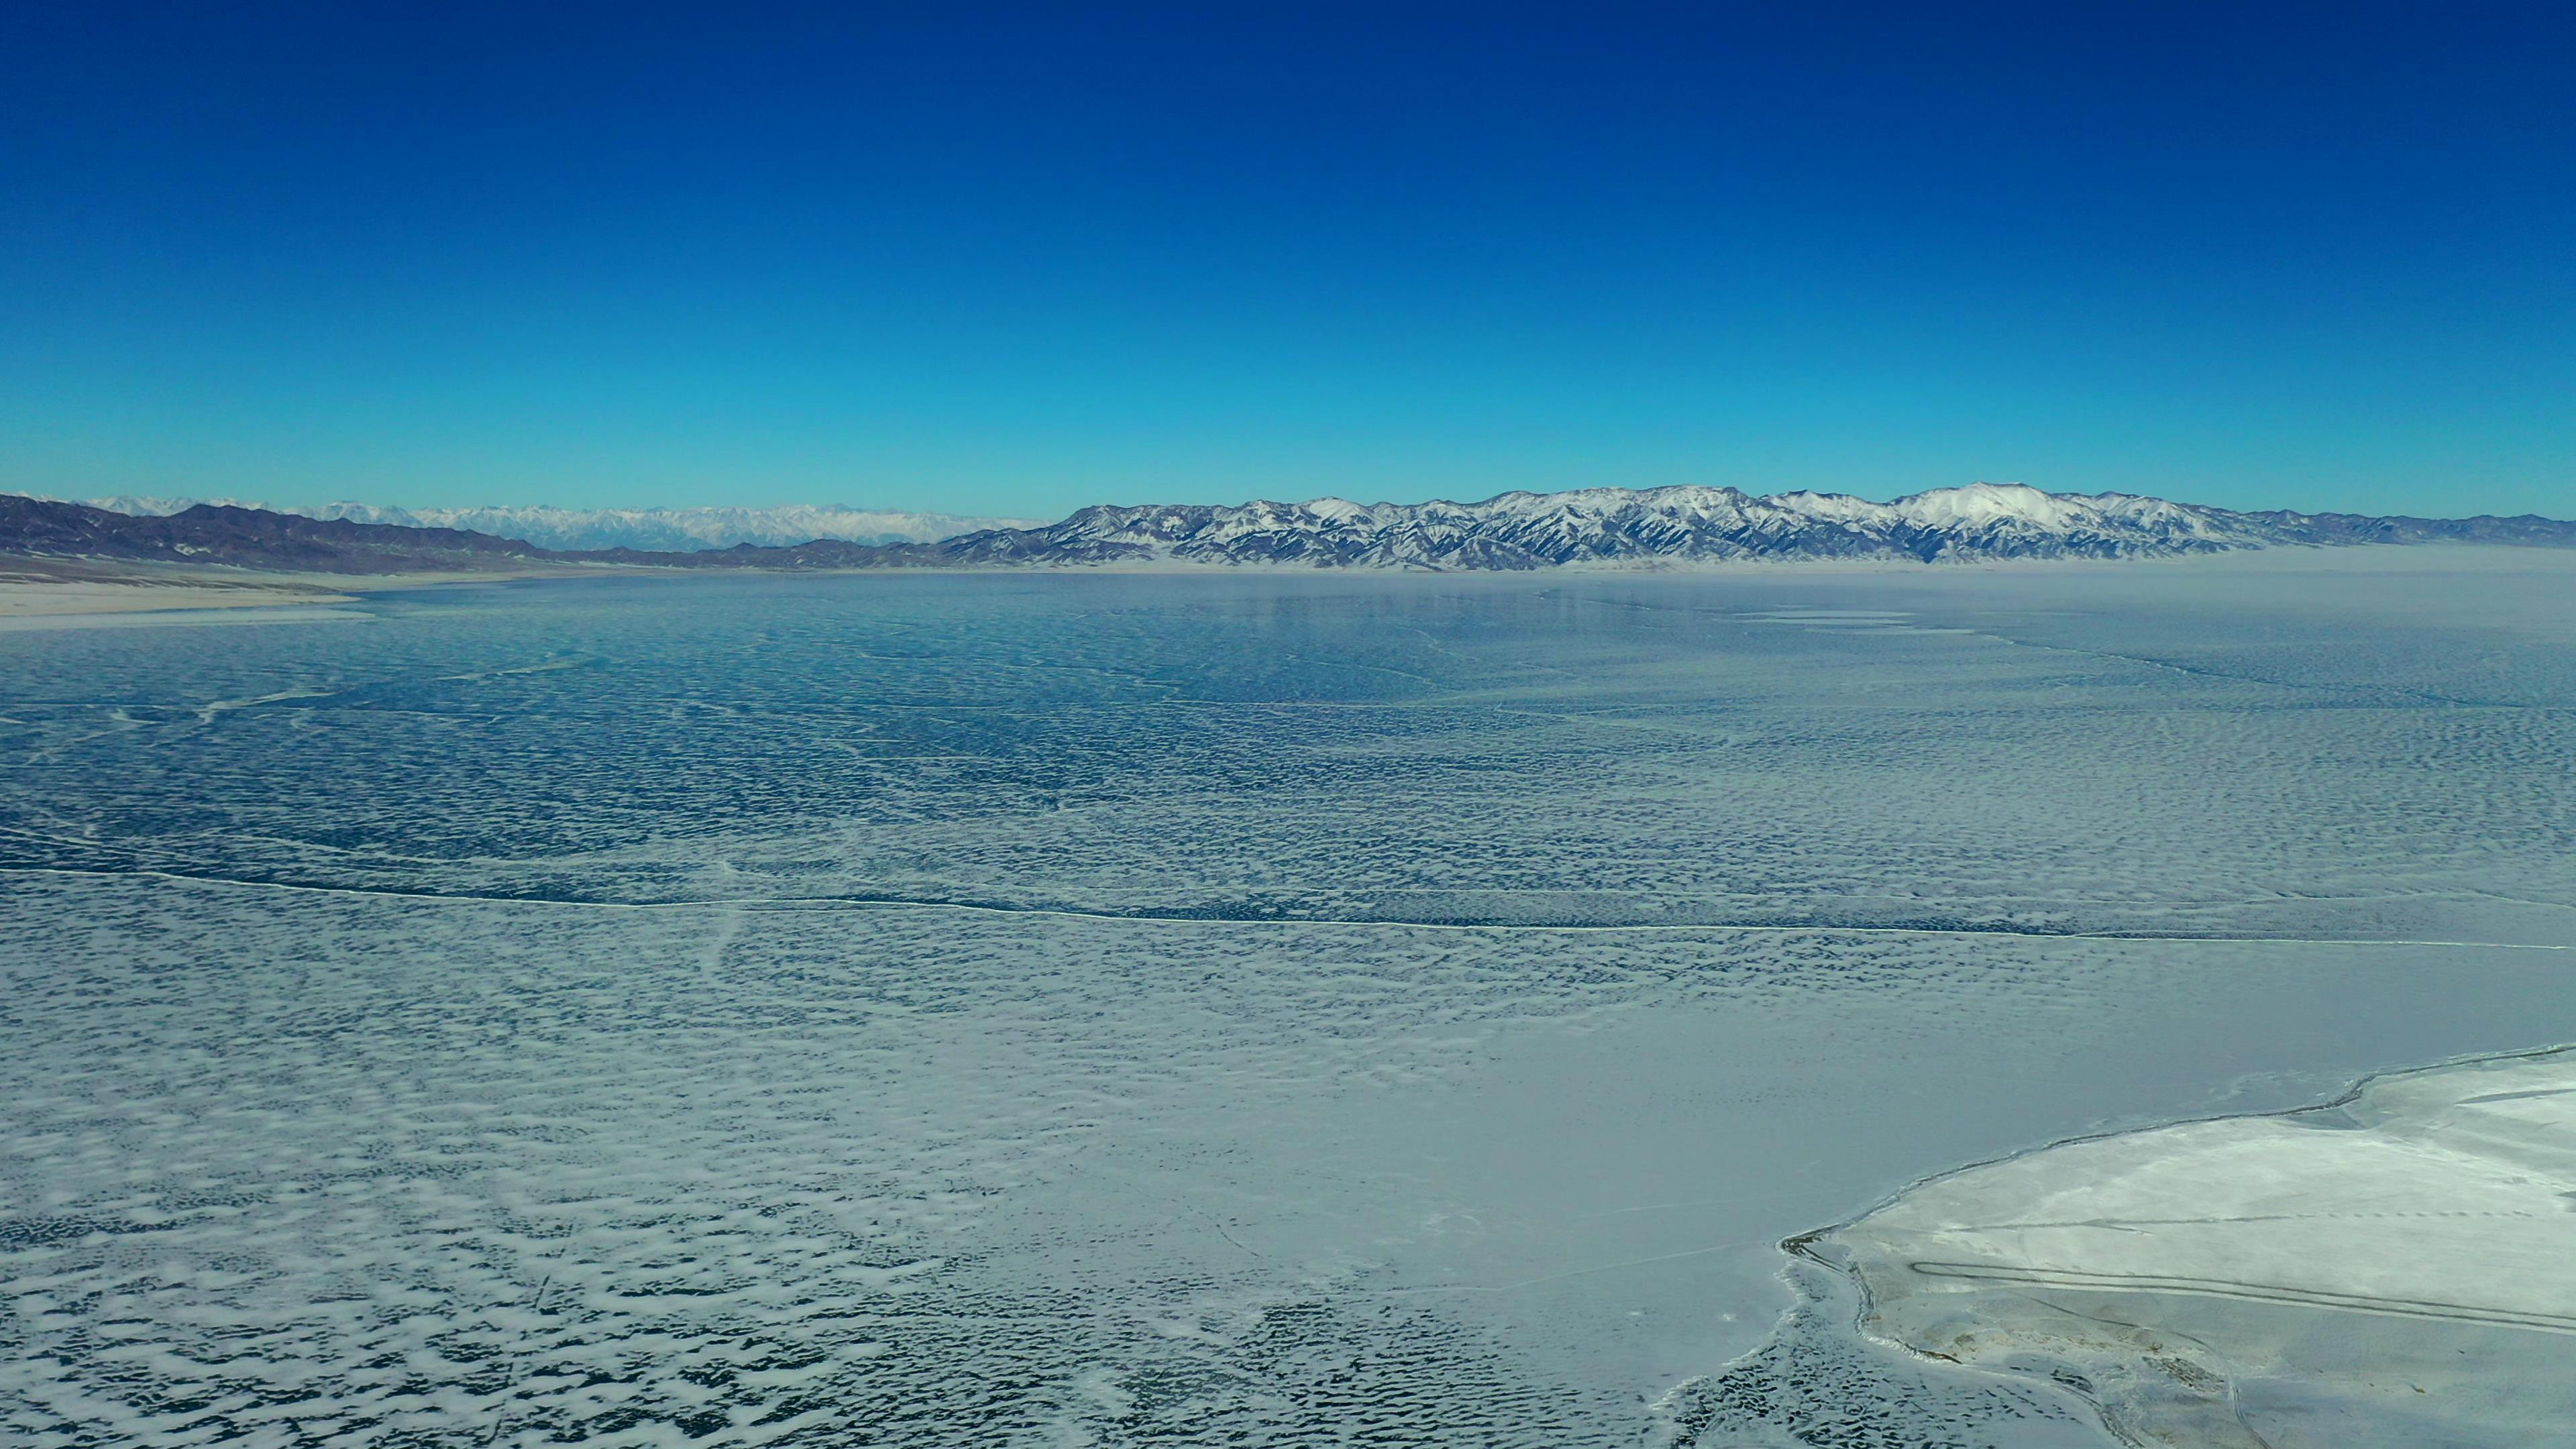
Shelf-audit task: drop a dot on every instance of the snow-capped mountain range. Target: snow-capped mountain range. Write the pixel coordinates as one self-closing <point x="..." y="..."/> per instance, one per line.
<point x="1613" y="526"/>
<point x="651" y="530"/>
<point x="1593" y="527"/>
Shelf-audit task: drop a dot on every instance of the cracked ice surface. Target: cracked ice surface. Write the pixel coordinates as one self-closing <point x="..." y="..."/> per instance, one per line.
<point x="1059" y="1010"/>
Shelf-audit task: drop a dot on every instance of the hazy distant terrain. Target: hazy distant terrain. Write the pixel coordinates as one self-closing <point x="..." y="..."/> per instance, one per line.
<point x="654" y="530"/>
<point x="1082" y="1007"/>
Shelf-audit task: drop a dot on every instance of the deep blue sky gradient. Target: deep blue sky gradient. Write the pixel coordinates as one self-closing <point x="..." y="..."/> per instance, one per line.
<point x="1016" y="260"/>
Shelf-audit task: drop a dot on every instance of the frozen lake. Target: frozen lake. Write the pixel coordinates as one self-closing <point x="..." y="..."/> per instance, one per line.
<point x="1267" y="1009"/>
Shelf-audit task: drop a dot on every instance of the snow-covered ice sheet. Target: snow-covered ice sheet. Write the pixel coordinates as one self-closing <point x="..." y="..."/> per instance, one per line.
<point x="1137" y="1011"/>
<point x="2395" y="1269"/>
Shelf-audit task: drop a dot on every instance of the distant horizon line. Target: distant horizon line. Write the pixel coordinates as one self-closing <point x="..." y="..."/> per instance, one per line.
<point x="173" y="502"/>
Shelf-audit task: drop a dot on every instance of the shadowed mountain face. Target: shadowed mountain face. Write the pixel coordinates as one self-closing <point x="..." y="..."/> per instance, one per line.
<point x="249" y="538"/>
<point x="1606" y="526"/>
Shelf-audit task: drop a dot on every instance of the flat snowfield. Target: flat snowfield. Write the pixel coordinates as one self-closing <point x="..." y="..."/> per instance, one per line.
<point x="1143" y="1010"/>
<point x="58" y="593"/>
<point x="53" y="594"/>
<point x="2396" y="1269"/>
<point x="54" y="589"/>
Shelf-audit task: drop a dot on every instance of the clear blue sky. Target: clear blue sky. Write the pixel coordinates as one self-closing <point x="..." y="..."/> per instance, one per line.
<point x="1015" y="260"/>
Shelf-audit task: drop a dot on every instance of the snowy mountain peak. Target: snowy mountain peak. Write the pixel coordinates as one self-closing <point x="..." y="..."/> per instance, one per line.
<point x="1990" y="503"/>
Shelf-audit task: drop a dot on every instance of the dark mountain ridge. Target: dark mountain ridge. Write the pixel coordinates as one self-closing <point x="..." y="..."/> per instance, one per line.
<point x="251" y="538"/>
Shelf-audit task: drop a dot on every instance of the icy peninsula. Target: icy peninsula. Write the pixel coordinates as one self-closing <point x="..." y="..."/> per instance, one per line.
<point x="2012" y="1006"/>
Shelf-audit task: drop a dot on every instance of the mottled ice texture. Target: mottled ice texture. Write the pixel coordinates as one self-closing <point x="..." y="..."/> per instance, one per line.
<point x="1191" y="1011"/>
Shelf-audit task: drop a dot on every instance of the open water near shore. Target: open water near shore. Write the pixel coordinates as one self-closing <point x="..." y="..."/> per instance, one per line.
<point x="1281" y="1009"/>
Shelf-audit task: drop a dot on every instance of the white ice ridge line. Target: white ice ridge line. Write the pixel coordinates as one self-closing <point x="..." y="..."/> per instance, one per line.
<point x="842" y="903"/>
<point x="2257" y="1292"/>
